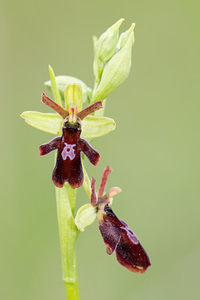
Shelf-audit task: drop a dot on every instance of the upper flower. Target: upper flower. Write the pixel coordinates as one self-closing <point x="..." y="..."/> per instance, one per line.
<point x="68" y="123"/>
<point x="68" y="166"/>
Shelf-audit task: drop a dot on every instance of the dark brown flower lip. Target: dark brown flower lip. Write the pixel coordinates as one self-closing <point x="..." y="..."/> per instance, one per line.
<point x="120" y="238"/>
<point x="68" y="166"/>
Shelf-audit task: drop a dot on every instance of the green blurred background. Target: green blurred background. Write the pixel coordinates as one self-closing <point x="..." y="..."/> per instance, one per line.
<point x="154" y="151"/>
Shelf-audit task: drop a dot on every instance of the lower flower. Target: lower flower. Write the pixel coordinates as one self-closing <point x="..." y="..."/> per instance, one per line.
<point x="116" y="234"/>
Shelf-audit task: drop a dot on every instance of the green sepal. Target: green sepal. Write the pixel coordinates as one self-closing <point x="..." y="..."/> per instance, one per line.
<point x="93" y="127"/>
<point x="63" y="81"/>
<point x="85" y="216"/>
<point x="48" y="122"/>
<point x="73" y="95"/>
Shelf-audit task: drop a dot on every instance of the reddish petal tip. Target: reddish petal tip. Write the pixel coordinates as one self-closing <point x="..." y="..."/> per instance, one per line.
<point x="43" y="96"/>
<point x="40" y="151"/>
<point x="97" y="159"/>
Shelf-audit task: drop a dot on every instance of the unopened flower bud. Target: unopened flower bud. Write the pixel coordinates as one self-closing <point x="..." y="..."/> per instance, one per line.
<point x="124" y="37"/>
<point x="117" y="68"/>
<point x="105" y="48"/>
<point x="108" y="47"/>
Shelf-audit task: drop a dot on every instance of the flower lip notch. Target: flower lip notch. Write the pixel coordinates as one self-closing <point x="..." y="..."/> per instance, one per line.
<point x="116" y="234"/>
<point x="68" y="166"/>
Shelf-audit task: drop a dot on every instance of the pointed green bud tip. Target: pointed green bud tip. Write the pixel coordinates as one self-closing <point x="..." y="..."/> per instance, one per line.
<point x="109" y="42"/>
<point x="108" y="32"/>
<point x="94" y="39"/>
<point x="85" y="216"/>
<point x="124" y="36"/>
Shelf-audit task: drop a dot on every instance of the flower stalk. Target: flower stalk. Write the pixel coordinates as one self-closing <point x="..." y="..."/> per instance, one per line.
<point x="68" y="232"/>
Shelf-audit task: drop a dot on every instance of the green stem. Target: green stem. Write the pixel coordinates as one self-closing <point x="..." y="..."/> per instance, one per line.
<point x="66" y="198"/>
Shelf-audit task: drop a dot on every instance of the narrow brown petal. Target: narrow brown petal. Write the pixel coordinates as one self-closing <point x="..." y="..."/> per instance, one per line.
<point x="93" y="198"/>
<point x="104" y="179"/>
<point x="90" y="109"/>
<point x="59" y="109"/>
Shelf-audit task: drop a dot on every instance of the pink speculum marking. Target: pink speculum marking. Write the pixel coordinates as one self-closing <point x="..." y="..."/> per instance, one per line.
<point x="68" y="151"/>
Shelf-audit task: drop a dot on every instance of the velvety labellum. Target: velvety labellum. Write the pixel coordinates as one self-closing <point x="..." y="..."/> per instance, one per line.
<point x="118" y="237"/>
